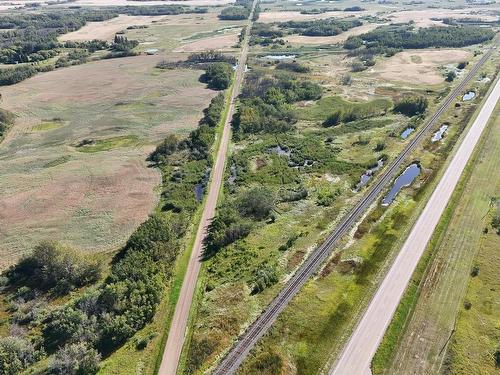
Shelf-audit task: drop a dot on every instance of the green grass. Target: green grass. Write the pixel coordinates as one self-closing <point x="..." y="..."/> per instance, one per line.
<point x="60" y="160"/>
<point x="329" y="104"/>
<point x="47" y="125"/>
<point x="107" y="144"/>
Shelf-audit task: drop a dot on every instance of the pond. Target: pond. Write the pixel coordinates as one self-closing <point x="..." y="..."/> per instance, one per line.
<point x="199" y="191"/>
<point x="405" y="179"/>
<point x="407" y="132"/>
<point x="439" y="134"/>
<point x="469" y="96"/>
<point x="280" y="151"/>
<point x="279" y="57"/>
<point x="368" y="175"/>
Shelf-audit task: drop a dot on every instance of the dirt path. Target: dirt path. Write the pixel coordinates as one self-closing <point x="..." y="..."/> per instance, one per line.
<point x="357" y="354"/>
<point x="175" y="341"/>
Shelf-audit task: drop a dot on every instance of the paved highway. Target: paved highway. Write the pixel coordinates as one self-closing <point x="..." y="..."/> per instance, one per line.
<point x="247" y="341"/>
<point x="175" y="340"/>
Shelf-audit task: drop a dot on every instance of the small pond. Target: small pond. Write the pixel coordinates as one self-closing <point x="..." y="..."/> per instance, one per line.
<point x="469" y="96"/>
<point x="439" y="134"/>
<point x="368" y="175"/>
<point x="407" y="132"/>
<point x="405" y="179"/>
<point x="198" y="192"/>
<point x="280" y="151"/>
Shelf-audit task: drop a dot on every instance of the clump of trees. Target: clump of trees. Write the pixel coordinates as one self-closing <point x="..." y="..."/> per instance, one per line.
<point x="75" y="359"/>
<point x="325" y="27"/>
<point x="411" y="106"/>
<point x="218" y="75"/>
<point x="235" y="13"/>
<point x="265" y="102"/>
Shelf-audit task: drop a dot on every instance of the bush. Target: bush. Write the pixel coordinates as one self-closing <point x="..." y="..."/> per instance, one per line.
<point x="164" y="149"/>
<point x="450" y="76"/>
<point x="15" y="75"/>
<point x="16" y="354"/>
<point x="334" y="119"/>
<point x="75" y="359"/>
<point x="411" y="106"/>
<point x="263" y="277"/>
<point x="56" y="267"/>
<point x="256" y="203"/>
<point x="213" y="113"/>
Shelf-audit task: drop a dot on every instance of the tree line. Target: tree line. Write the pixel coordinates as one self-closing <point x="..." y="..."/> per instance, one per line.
<point x="407" y="36"/>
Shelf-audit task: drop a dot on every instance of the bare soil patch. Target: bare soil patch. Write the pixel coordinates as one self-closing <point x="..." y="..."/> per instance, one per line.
<point x="419" y="66"/>
<point x="106" y="30"/>
<point x="220" y="42"/>
<point x="276" y="16"/>
<point x="51" y="190"/>
<point x="424" y="18"/>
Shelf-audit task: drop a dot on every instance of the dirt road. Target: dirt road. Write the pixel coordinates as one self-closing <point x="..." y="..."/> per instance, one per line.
<point x="175" y="341"/>
<point x="358" y="353"/>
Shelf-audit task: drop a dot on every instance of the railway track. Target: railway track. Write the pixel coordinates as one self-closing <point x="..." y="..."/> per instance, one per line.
<point x="247" y="341"/>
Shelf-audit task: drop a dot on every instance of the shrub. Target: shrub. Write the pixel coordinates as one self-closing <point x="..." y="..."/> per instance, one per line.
<point x="256" y="203"/>
<point x="56" y="267"/>
<point x="461" y="65"/>
<point x="16" y="354"/>
<point x="75" y="359"/>
<point x="411" y="106"/>
<point x="264" y="277"/>
<point x="164" y="149"/>
<point x="450" y="76"/>
<point x="334" y="119"/>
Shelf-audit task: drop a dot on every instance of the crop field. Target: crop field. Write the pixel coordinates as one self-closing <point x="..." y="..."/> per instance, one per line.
<point x="452" y="329"/>
<point x="73" y="166"/>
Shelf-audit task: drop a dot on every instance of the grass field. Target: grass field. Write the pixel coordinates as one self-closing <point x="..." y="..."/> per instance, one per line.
<point x="73" y="166"/>
<point x="434" y="309"/>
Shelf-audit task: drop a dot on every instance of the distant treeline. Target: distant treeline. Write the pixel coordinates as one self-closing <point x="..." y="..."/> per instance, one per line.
<point x="406" y="36"/>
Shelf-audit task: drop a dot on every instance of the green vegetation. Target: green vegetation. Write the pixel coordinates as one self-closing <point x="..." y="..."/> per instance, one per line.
<point x="16" y="354"/>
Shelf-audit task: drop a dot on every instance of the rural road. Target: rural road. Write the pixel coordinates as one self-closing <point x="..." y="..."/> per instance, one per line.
<point x="263" y="323"/>
<point x="361" y="347"/>
<point x="177" y="332"/>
